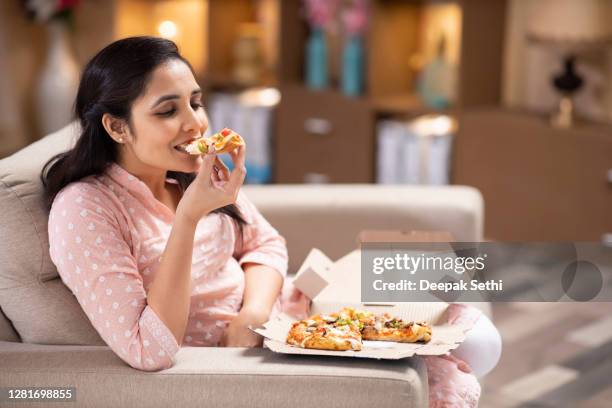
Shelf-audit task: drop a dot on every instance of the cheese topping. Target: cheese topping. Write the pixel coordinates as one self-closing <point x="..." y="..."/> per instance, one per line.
<point x="192" y="148"/>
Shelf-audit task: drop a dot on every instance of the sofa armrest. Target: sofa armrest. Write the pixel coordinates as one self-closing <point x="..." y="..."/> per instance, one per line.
<point x="329" y="217"/>
<point x="216" y="377"/>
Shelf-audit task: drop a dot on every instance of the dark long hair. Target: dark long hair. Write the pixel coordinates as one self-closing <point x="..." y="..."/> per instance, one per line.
<point x="110" y="83"/>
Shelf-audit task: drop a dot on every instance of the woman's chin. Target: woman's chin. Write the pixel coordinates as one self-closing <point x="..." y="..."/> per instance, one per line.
<point x="188" y="163"/>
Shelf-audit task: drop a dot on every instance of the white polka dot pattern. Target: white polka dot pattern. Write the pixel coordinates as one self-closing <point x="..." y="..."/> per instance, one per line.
<point x="107" y="235"/>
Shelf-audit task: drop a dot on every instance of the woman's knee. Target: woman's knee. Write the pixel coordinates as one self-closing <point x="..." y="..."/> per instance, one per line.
<point x="482" y="347"/>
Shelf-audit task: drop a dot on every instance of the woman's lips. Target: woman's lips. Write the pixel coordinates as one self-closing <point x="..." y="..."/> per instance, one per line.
<point x="183" y="146"/>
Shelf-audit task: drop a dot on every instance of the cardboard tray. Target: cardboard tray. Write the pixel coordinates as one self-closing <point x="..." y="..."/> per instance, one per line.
<point x="334" y="285"/>
<point x="444" y="338"/>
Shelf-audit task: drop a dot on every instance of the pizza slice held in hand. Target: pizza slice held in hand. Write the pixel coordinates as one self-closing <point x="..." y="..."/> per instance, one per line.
<point x="224" y="141"/>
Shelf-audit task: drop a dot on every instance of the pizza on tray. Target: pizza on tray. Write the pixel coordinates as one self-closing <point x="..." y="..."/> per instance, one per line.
<point x="224" y="141"/>
<point x="346" y="329"/>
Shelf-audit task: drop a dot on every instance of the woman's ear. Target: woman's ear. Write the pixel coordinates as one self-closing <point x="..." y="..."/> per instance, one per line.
<point x="116" y="128"/>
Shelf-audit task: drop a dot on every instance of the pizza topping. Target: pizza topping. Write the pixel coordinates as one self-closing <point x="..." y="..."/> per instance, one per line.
<point x="336" y="331"/>
<point x="395" y="323"/>
<point x="190" y="146"/>
<point x="202" y="147"/>
<point x="362" y="315"/>
<point x="378" y="324"/>
<point x="343" y="321"/>
<point x="329" y="319"/>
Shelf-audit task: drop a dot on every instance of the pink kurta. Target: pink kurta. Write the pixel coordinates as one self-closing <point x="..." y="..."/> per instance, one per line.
<point x="106" y="236"/>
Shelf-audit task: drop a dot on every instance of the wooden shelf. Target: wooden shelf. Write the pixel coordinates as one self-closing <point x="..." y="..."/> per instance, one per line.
<point x="397" y="35"/>
<point x="397" y="32"/>
<point x="404" y="106"/>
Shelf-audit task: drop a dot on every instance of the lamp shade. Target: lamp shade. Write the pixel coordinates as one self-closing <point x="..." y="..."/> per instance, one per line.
<point x="570" y="22"/>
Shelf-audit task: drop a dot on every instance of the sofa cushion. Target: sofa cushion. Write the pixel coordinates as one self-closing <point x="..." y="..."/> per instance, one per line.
<point x="32" y="295"/>
<point x="7" y="332"/>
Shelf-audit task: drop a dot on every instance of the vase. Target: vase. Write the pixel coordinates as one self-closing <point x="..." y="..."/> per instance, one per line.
<point x="352" y="67"/>
<point x="58" y="81"/>
<point x="437" y="82"/>
<point x="316" y="60"/>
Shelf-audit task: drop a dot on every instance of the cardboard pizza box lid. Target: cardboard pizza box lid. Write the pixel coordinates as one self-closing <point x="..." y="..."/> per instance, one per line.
<point x="343" y="277"/>
<point x="344" y="289"/>
<point x="312" y="277"/>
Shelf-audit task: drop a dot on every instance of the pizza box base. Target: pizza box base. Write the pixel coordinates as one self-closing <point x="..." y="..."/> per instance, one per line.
<point x="445" y="337"/>
<point x="334" y="285"/>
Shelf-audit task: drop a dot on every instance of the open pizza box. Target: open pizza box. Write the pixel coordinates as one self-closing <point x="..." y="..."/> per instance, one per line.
<point x="334" y="285"/>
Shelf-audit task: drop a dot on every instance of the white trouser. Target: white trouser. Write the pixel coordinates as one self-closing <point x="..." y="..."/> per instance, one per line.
<point x="481" y="348"/>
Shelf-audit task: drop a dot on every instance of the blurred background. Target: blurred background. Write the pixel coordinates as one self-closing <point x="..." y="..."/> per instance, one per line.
<point x="513" y="97"/>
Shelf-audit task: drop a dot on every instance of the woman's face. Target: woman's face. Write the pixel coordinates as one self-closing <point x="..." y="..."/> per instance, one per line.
<point x="170" y="112"/>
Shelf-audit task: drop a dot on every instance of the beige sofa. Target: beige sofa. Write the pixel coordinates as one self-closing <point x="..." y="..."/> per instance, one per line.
<point x="46" y="340"/>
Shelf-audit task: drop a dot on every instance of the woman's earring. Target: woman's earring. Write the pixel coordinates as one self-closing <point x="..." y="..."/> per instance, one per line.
<point x="121" y="139"/>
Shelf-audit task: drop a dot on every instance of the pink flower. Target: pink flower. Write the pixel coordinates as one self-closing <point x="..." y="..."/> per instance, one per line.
<point x="320" y="13"/>
<point x="355" y="17"/>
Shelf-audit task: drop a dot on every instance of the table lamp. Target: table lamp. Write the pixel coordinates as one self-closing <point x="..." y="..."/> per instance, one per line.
<point x="570" y="27"/>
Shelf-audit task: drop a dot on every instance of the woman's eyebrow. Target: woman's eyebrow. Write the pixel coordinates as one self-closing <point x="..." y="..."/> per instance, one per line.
<point x="173" y="96"/>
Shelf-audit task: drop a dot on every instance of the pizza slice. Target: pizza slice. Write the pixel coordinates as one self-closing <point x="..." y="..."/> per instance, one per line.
<point x="325" y="333"/>
<point x="224" y="141"/>
<point x="387" y="328"/>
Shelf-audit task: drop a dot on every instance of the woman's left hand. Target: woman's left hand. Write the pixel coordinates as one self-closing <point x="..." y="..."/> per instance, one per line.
<point x="461" y="365"/>
<point x="238" y="334"/>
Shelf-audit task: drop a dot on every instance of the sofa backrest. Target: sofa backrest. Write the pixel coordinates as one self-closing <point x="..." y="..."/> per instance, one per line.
<point x="38" y="304"/>
<point x="42" y="310"/>
<point x="330" y="217"/>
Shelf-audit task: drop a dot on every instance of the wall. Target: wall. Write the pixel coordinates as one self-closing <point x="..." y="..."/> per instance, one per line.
<point x="22" y="53"/>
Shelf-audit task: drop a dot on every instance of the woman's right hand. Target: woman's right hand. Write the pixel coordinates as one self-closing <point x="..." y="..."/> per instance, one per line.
<point x="214" y="186"/>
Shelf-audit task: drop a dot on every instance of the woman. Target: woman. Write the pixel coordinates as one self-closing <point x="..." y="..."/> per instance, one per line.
<point x="159" y="247"/>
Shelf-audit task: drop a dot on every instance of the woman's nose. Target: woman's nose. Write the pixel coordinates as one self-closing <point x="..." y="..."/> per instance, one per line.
<point x="195" y="121"/>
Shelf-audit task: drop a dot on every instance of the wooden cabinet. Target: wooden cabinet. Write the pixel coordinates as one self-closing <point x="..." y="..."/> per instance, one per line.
<point x="538" y="182"/>
<point x="323" y="137"/>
